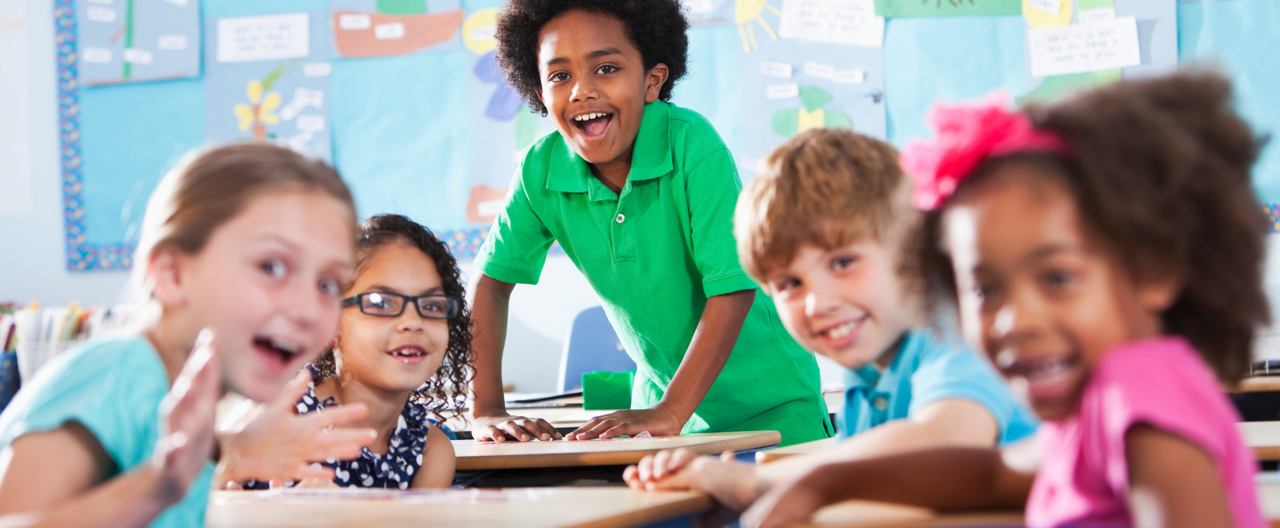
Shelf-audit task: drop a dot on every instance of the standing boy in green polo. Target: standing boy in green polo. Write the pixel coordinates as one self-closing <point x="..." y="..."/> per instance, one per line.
<point x="640" y="194"/>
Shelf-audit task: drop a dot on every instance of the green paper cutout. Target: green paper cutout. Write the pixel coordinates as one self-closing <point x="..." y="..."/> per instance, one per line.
<point x="402" y="7"/>
<point x="833" y="119"/>
<point x="786" y="122"/>
<point x="1094" y="4"/>
<point x="906" y="8"/>
<point x="814" y="98"/>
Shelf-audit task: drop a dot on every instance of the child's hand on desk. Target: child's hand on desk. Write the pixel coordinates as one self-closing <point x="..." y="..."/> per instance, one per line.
<point x="188" y="414"/>
<point x="656" y="421"/>
<point x="507" y="427"/>
<point x="733" y="485"/>
<point x="783" y="504"/>
<point x="279" y="444"/>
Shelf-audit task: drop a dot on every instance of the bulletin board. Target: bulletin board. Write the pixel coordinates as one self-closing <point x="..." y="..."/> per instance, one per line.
<point x="405" y="99"/>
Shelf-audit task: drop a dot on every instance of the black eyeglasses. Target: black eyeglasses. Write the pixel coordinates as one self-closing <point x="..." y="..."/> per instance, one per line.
<point x="382" y="304"/>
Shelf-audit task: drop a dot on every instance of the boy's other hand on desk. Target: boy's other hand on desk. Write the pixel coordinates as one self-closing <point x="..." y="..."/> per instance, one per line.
<point x="656" y="421"/>
<point x="734" y="485"/>
<point x="506" y="427"/>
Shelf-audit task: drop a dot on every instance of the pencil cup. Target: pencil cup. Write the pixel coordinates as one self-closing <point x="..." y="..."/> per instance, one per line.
<point x="32" y="356"/>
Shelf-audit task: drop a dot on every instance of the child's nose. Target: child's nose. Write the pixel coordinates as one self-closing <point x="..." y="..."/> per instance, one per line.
<point x="818" y="301"/>
<point x="585" y="89"/>
<point x="410" y="320"/>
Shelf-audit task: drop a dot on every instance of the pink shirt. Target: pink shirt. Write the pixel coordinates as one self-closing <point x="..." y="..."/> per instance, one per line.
<point x="1084" y="479"/>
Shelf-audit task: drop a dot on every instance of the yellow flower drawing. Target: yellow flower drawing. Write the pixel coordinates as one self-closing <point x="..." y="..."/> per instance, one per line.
<point x="261" y="111"/>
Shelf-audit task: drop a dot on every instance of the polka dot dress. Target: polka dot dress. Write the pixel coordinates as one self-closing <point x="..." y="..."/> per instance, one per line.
<point x="394" y="469"/>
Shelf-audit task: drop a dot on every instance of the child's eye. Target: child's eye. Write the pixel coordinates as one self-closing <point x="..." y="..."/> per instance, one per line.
<point x="558" y="76"/>
<point x="1057" y="279"/>
<point x="273" y="268"/>
<point x="330" y="287"/>
<point x="607" y="68"/>
<point x="841" y="263"/>
<point x="786" y="284"/>
<point x="434" y="306"/>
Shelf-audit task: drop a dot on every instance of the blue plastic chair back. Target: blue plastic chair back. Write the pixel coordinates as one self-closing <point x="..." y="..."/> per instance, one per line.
<point x="592" y="346"/>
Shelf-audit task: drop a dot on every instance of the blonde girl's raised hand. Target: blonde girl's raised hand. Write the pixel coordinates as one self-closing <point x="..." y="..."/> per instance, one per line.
<point x="187" y="415"/>
<point x="279" y="444"/>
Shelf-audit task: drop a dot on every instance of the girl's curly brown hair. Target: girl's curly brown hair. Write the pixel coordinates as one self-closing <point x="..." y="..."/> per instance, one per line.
<point x="1161" y="169"/>
<point x="446" y="391"/>
<point x="656" y="28"/>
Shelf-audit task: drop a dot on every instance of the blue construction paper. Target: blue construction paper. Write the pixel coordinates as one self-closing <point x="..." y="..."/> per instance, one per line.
<point x="710" y="86"/>
<point x="226" y="87"/>
<point x="398" y="126"/>
<point x="931" y="59"/>
<point x="151" y="20"/>
<point x="862" y="104"/>
<point x="1240" y="37"/>
<point x="132" y="134"/>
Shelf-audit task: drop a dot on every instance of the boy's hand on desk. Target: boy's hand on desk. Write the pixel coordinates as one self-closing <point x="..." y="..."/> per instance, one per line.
<point x="734" y="485"/>
<point x="656" y="421"/>
<point x="280" y="444"/>
<point x="506" y="427"/>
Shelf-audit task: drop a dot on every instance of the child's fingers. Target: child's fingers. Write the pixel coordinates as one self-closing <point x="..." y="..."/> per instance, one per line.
<point x="292" y="392"/>
<point x="333" y="416"/>
<point x="631" y="476"/>
<point x="544" y="430"/>
<point x="680" y="458"/>
<point x="644" y="469"/>
<point x="661" y="463"/>
<point x="728" y="456"/>
<point x="341" y="443"/>
<point x="307" y="471"/>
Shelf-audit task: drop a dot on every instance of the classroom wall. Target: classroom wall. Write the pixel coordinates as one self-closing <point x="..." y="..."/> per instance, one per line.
<point x="32" y="264"/>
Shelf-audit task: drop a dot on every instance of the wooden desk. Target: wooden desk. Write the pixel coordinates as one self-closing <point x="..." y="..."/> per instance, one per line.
<point x="473" y="455"/>
<point x="526" y="508"/>
<point x="774" y="455"/>
<point x="1263" y="437"/>
<point x="1258" y="384"/>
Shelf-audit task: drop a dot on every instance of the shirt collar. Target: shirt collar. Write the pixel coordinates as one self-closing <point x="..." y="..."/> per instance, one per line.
<point x="650" y="159"/>
<point x="869" y="377"/>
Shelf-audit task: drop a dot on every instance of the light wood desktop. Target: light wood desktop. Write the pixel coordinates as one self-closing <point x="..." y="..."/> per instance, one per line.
<point x="1263" y="437"/>
<point x="526" y="508"/>
<point x="807" y="448"/>
<point x="1258" y="384"/>
<point x="473" y="455"/>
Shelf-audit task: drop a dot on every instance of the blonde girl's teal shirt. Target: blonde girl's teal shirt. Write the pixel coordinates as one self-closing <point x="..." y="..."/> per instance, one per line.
<point x="655" y="253"/>
<point x="113" y="388"/>
<point x="928" y="368"/>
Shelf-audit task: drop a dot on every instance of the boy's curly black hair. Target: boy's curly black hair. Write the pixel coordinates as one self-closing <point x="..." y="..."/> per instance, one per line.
<point x="446" y="391"/>
<point x="1161" y="169"/>
<point x="656" y="28"/>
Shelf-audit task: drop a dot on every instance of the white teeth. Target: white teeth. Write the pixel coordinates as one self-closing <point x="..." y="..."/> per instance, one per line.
<point x="285" y="346"/>
<point x="588" y="117"/>
<point x="842" y="330"/>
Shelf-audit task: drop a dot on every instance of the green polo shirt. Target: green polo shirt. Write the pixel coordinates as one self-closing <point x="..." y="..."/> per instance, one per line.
<point x="654" y="254"/>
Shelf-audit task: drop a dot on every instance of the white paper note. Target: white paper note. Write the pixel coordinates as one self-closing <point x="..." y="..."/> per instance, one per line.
<point x="483" y="33"/>
<point x="1083" y="48"/>
<point x="851" y="22"/>
<point x="849" y="77"/>
<point x="355" y="21"/>
<point x="1093" y="16"/>
<point x="821" y="71"/>
<point x="1053" y="7"/>
<point x="782" y="91"/>
<point x="776" y="69"/>
<point x="310" y="123"/>
<point x="302" y="99"/>
<point x="259" y="38"/>
<point x="698" y="6"/>
<point x="137" y="56"/>
<point x="172" y="42"/>
<point x="317" y="69"/>
<point x="100" y="14"/>
<point x="96" y="55"/>
<point x="394" y="30"/>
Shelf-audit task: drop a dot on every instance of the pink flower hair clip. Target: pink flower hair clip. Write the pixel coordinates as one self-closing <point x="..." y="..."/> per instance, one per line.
<point x="968" y="133"/>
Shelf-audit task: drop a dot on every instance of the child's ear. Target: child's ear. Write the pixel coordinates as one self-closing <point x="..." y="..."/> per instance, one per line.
<point x="653" y="81"/>
<point x="1158" y="290"/>
<point x="164" y="269"/>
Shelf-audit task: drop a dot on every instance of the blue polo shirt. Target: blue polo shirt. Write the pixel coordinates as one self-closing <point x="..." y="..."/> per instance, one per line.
<point x="927" y="369"/>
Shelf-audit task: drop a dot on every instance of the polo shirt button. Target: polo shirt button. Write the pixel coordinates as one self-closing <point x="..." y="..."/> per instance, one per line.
<point x="621" y="217"/>
<point x="880" y="403"/>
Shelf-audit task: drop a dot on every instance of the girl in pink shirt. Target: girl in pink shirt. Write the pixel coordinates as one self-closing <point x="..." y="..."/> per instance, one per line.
<point x="1105" y="252"/>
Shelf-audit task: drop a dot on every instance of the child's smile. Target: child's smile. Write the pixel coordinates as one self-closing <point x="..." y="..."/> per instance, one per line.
<point x="1044" y="299"/>
<point x="595" y="86"/>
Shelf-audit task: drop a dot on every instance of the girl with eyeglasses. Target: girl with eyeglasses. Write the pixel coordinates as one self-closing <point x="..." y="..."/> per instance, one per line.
<point x="403" y="349"/>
